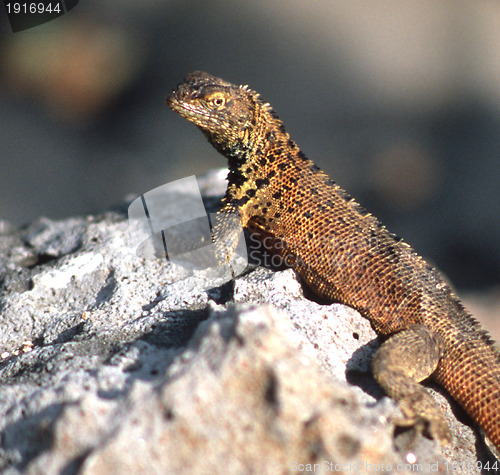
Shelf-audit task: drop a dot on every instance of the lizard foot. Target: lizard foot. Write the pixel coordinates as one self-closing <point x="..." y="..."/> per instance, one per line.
<point x="400" y="363"/>
<point x="421" y="412"/>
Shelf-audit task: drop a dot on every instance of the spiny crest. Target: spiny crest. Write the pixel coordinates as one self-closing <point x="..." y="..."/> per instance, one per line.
<point x="265" y="105"/>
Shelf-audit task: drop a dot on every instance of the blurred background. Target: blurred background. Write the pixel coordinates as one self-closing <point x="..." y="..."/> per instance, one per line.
<point x="398" y="101"/>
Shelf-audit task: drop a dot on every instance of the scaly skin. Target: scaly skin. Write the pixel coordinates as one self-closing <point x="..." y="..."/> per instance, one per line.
<point x="344" y="254"/>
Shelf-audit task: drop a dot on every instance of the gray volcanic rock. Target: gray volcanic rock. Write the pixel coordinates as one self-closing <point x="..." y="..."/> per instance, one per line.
<point x="112" y="363"/>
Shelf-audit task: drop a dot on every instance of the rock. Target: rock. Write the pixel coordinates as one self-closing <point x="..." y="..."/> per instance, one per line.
<point x="111" y="363"/>
<point x="237" y="396"/>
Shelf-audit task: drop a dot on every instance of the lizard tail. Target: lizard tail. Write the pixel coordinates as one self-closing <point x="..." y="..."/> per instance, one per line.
<point x="470" y="372"/>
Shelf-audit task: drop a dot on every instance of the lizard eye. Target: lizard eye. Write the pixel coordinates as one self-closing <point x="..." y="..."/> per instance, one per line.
<point x="217" y="101"/>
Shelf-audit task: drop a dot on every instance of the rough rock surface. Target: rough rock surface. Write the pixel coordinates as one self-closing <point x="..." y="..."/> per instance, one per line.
<point x="111" y="363"/>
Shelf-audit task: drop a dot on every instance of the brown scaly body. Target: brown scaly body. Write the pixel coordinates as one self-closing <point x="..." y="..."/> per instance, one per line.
<point x="344" y="254"/>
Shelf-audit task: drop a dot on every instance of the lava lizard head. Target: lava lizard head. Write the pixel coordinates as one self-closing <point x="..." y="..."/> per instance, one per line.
<point x="227" y="114"/>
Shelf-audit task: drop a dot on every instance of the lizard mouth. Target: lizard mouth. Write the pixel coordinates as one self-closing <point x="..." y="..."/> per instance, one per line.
<point x="174" y="103"/>
<point x="192" y="112"/>
<point x="185" y="109"/>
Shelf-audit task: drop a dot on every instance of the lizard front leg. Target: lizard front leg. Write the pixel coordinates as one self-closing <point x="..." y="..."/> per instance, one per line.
<point x="229" y="241"/>
<point x="399" y="365"/>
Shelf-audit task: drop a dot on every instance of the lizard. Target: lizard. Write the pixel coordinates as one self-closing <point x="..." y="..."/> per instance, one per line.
<point x="344" y="254"/>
